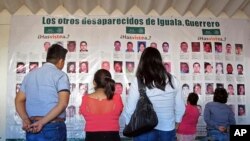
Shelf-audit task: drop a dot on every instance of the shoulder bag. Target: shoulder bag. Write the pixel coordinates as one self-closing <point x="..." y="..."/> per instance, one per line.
<point x="144" y="118"/>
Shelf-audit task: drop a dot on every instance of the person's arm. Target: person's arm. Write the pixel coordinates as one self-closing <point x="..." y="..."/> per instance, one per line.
<point x="63" y="100"/>
<point x="207" y="117"/>
<point x="133" y="96"/>
<point x="179" y="102"/>
<point x="20" y="100"/>
<point x="231" y="118"/>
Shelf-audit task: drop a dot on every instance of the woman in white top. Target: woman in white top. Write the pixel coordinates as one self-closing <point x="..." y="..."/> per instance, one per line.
<point x="163" y="90"/>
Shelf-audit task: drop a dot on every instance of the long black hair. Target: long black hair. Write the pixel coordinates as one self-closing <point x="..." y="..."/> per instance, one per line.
<point x="152" y="71"/>
<point x="104" y="80"/>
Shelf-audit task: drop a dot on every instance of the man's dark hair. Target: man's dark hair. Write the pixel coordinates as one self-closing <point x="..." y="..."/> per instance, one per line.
<point x="240" y="65"/>
<point x="220" y="95"/>
<point x="20" y="63"/>
<point x="196" y="63"/>
<point x="165" y="43"/>
<point x="117" y="42"/>
<point x="55" y="53"/>
<point x="185" y="85"/>
<point x="129" y="43"/>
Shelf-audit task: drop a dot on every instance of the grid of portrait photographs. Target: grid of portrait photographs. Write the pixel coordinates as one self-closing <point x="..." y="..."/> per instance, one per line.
<point x="200" y="67"/>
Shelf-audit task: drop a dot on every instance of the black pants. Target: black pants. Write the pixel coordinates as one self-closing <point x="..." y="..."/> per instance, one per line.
<point x="103" y="136"/>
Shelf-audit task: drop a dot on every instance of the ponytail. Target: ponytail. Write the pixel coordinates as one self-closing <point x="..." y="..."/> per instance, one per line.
<point x="103" y="80"/>
<point x="109" y="87"/>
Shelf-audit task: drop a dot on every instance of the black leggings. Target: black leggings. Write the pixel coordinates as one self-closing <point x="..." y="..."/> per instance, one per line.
<point x="103" y="136"/>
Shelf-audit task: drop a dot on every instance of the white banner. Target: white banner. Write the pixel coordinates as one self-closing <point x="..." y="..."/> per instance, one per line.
<point x="202" y="53"/>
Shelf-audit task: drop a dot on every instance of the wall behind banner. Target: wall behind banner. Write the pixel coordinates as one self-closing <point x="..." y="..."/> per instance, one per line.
<point x="4" y="34"/>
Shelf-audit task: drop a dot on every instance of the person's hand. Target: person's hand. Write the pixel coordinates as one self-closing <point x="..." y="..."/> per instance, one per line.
<point x="36" y="127"/>
<point x="222" y="129"/>
<point x="26" y="124"/>
<point x="177" y="126"/>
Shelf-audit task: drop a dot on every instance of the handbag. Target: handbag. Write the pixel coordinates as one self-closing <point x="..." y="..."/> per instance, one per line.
<point x="144" y="117"/>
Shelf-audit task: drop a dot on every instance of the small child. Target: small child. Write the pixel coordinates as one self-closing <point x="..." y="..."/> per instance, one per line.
<point x="186" y="130"/>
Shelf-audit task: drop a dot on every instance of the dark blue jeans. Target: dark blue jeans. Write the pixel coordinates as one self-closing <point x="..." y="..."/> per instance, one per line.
<point x="216" y="135"/>
<point x="51" y="132"/>
<point x="156" y="135"/>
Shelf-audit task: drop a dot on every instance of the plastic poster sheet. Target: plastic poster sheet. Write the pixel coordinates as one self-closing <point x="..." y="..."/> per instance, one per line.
<point x="202" y="53"/>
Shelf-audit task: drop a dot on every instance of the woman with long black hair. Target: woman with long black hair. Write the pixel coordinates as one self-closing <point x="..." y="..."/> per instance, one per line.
<point x="163" y="90"/>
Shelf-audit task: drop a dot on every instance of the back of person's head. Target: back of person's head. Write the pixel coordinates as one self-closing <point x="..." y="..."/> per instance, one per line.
<point x="55" y="53"/>
<point x="220" y="95"/>
<point x="102" y="79"/>
<point x="152" y="70"/>
<point x="193" y="98"/>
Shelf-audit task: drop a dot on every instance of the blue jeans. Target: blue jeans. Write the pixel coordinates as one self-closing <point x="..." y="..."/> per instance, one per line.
<point x="156" y="135"/>
<point x="51" y="132"/>
<point x="216" y="135"/>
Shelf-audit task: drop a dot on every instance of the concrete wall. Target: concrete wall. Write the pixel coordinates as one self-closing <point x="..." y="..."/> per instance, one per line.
<point x="4" y="39"/>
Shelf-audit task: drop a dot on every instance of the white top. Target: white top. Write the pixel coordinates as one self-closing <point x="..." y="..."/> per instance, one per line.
<point x="169" y="104"/>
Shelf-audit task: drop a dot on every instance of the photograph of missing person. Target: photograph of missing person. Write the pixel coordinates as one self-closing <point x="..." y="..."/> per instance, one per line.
<point x="218" y="47"/>
<point x="196" y="68"/>
<point x="238" y="49"/>
<point x="167" y="66"/>
<point x="71" y="46"/>
<point x="207" y="47"/>
<point x="196" y="46"/>
<point x="33" y="65"/>
<point x="141" y="45"/>
<point x="209" y="88"/>
<point x="230" y="89"/>
<point x="130" y="66"/>
<point x="105" y="65"/>
<point x="20" y="68"/>
<point x="197" y="88"/>
<point x="241" y="110"/>
<point x="83" y="88"/>
<point x="83" y="67"/>
<point x="118" y="66"/>
<point x="83" y="46"/>
<point x="208" y="68"/>
<point x="240" y="89"/>
<point x="184" y="47"/>
<point x="118" y="88"/>
<point x="71" y="67"/>
<point x="219" y="68"/>
<point x="165" y="47"/>
<point x="184" y="68"/>
<point x="46" y="46"/>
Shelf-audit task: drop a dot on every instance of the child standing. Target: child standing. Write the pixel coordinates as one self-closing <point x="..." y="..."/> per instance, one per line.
<point x="186" y="130"/>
